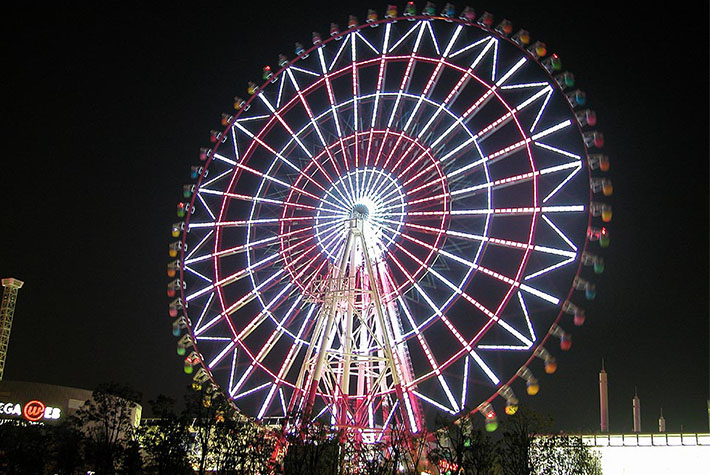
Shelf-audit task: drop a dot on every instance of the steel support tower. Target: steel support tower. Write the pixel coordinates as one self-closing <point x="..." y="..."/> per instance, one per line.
<point x="7" y="310"/>
<point x="356" y="367"/>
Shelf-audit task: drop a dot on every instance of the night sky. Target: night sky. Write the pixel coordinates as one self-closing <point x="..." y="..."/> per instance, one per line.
<point x="105" y="109"/>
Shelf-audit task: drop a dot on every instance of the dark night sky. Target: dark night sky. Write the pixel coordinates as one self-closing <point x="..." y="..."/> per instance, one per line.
<point x="105" y="108"/>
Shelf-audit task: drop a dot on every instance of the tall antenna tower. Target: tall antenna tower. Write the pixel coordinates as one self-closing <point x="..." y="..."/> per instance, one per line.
<point x="7" y="310"/>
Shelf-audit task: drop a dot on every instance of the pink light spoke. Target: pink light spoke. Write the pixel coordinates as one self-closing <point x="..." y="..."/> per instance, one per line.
<point x="314" y="124"/>
<point x="522" y="211"/>
<point x="252" y="222"/>
<point x="281" y="182"/>
<point x="253" y="245"/>
<point x="263" y="314"/>
<point x="459" y="290"/>
<point x="465" y="345"/>
<point x="491" y="315"/>
<point x="254" y="267"/>
<point x="331" y="99"/>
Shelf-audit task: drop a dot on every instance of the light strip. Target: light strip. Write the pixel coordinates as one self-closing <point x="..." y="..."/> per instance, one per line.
<point x="559" y="233"/>
<point x="411" y="30"/>
<point x="433" y="403"/>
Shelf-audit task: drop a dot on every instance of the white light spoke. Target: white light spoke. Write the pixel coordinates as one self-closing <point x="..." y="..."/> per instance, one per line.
<point x="221" y="355"/>
<point x="464" y="383"/>
<point x="511" y="71"/>
<point x="433" y="402"/>
<point x="559" y="150"/>
<point x="203" y="313"/>
<point x="217" y="178"/>
<point x="364" y="40"/>
<point x="197" y="247"/>
<point x="477" y="61"/>
<point x="527" y="85"/>
<point x="559" y="233"/>
<point x="405" y="36"/>
<point x="563" y="183"/>
<point x="340" y="51"/>
<point x="538" y="293"/>
<point x="304" y="71"/>
<point x="550" y="268"/>
<point x="472" y="45"/>
<point x="224" y="159"/>
<point x="207" y="208"/>
<point x="433" y="37"/>
<point x="267" y="401"/>
<point x="194" y="272"/>
<point x="486" y="369"/>
<point x="251" y="118"/>
<point x="251" y="391"/>
<point x="453" y="39"/>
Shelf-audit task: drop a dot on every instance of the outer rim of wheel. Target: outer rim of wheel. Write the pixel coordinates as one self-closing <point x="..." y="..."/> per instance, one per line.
<point x="280" y="73"/>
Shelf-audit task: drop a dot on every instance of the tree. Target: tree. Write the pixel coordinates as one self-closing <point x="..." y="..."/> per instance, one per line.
<point x="66" y="448"/>
<point x="519" y="432"/>
<point x="22" y="448"/>
<point x="205" y="409"/>
<point x="463" y="447"/>
<point x="407" y="452"/>
<point x="106" y="421"/>
<point x="526" y="448"/>
<point x="564" y="455"/>
<point x="165" y="440"/>
<point x="244" y="446"/>
<point x="315" y="450"/>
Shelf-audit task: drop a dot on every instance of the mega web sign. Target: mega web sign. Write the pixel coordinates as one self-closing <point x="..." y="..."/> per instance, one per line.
<point x="33" y="411"/>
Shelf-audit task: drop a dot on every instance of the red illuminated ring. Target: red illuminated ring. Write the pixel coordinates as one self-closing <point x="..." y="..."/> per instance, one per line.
<point x="380" y="178"/>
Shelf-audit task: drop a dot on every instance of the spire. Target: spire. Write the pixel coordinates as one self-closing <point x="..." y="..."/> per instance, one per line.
<point x="661" y="423"/>
<point x="603" y="400"/>
<point x="637" y="411"/>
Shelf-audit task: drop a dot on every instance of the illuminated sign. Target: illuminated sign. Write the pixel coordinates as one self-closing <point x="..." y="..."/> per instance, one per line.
<point x="33" y="411"/>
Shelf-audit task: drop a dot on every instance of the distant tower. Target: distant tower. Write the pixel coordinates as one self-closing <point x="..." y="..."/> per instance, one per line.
<point x="661" y="423"/>
<point x="637" y="413"/>
<point x="603" y="400"/>
<point x="7" y="310"/>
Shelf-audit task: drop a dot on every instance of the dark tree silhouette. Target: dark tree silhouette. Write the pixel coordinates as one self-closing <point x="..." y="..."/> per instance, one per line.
<point x="106" y="421"/>
<point x="204" y="410"/>
<point x="22" y="448"/>
<point x="166" y="439"/>
<point x="463" y="447"/>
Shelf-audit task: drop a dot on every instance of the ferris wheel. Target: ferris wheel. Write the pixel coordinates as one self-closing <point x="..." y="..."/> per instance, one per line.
<point x="392" y="225"/>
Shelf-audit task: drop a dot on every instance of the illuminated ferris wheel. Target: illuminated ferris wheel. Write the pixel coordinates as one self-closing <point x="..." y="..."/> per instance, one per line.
<point x="392" y="225"/>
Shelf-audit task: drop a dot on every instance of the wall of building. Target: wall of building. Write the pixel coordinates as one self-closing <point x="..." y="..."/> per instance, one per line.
<point x="644" y="454"/>
<point x="25" y="400"/>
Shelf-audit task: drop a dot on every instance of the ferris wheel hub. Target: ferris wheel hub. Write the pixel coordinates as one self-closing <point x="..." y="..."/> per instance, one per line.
<point x="361" y="211"/>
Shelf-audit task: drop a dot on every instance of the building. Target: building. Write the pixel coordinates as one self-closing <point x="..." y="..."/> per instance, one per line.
<point x="38" y="402"/>
<point x="643" y="454"/>
<point x="45" y="403"/>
